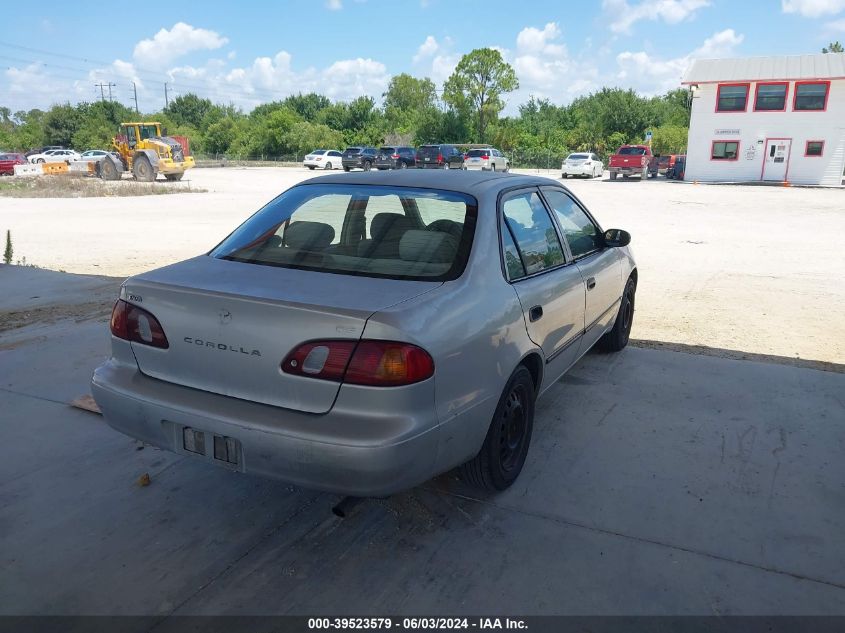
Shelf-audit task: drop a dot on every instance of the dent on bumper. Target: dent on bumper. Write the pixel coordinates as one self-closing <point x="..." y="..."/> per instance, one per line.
<point x="275" y="442"/>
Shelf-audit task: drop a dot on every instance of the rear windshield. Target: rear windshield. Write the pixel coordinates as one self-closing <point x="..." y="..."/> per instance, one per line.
<point x="578" y="157"/>
<point x="392" y="232"/>
<point x="319" y="151"/>
<point x="388" y="150"/>
<point x="476" y="153"/>
<point x="352" y="150"/>
<point x="631" y="151"/>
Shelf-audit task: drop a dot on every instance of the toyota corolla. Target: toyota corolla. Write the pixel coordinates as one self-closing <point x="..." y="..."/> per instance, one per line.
<point x="363" y="333"/>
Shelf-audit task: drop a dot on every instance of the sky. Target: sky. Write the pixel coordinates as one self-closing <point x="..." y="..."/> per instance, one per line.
<point x="249" y="53"/>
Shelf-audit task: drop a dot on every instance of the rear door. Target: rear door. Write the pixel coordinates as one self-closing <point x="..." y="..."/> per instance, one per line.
<point x="550" y="289"/>
<point x="600" y="266"/>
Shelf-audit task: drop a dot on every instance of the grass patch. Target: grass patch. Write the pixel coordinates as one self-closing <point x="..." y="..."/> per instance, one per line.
<point x="78" y="186"/>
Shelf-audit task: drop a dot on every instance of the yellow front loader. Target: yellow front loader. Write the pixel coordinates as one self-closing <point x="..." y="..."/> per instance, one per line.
<point x="146" y="153"/>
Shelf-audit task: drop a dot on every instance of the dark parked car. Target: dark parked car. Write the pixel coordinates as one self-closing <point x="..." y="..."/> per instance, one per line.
<point x="41" y="150"/>
<point x="676" y="171"/>
<point x="8" y="162"/>
<point x="396" y="158"/>
<point x="440" y="157"/>
<point x="358" y="158"/>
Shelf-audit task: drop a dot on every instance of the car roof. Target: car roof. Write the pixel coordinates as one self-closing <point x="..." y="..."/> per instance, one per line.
<point x="471" y="182"/>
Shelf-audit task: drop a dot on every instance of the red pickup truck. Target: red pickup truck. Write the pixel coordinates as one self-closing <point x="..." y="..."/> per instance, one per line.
<point x="632" y="160"/>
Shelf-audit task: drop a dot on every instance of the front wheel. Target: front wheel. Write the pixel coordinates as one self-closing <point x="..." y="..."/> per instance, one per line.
<point x="613" y="175"/>
<point x="345" y="168"/>
<point x="618" y="337"/>
<point x="505" y="448"/>
<point x="174" y="177"/>
<point x="367" y="165"/>
<point x="143" y="170"/>
<point x="40" y="161"/>
<point x="311" y="167"/>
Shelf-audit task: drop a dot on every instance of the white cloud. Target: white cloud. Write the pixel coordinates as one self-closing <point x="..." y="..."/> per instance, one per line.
<point x="168" y="45"/>
<point x="428" y="48"/>
<point x="533" y="41"/>
<point x="813" y="8"/>
<point x="652" y="75"/>
<point x="354" y="77"/>
<point x="334" y="5"/>
<point x="625" y="15"/>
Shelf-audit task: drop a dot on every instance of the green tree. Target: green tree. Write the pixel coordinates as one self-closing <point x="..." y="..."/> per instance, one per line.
<point x="307" y="106"/>
<point x="669" y="139"/>
<point x="220" y="136"/>
<point x="477" y="85"/>
<point x="60" y="124"/>
<point x="306" y="137"/>
<point x="833" y="47"/>
<point x="188" y="109"/>
<point x="9" y="252"/>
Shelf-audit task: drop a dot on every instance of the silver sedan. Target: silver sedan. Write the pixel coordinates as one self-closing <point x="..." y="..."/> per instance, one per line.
<point x="362" y="333"/>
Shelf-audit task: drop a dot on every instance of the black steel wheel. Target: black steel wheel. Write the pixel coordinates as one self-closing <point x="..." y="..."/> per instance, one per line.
<point x="505" y="448"/>
<point x="618" y="337"/>
<point x="143" y="169"/>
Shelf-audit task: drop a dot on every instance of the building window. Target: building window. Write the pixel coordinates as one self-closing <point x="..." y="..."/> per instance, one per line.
<point x="724" y="150"/>
<point x="770" y="97"/>
<point x="732" y="97"/>
<point x="814" y="148"/>
<point x="811" y="95"/>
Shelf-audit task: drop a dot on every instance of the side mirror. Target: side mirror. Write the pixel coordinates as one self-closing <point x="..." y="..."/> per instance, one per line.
<point x="616" y="238"/>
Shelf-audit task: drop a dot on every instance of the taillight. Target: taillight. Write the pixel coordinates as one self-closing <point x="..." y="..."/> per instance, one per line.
<point x="372" y="363"/>
<point x="485" y="157"/>
<point x="440" y="158"/>
<point x="320" y="359"/>
<point x="395" y="156"/>
<point x="134" y="324"/>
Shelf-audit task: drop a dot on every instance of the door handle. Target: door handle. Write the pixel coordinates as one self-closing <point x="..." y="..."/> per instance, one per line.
<point x="535" y="313"/>
<point x="591" y="283"/>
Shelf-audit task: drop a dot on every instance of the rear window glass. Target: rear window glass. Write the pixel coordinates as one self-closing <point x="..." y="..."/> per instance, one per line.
<point x="632" y="151"/>
<point x="477" y="153"/>
<point x="578" y="157"/>
<point x="388" y="150"/>
<point x="392" y="232"/>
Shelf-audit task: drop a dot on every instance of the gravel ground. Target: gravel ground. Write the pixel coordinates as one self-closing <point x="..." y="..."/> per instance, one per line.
<point x="736" y="271"/>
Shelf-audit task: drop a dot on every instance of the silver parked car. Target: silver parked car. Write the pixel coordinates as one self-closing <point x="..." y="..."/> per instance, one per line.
<point x="486" y="159"/>
<point x="364" y="332"/>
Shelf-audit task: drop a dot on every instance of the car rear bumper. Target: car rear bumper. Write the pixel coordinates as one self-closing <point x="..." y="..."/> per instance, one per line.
<point x="396" y="451"/>
<point x="578" y="170"/>
<point x="629" y="171"/>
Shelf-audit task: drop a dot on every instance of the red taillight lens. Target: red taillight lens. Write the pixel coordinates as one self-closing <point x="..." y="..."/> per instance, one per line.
<point x="131" y="323"/>
<point x="373" y="363"/>
<point x="320" y="359"/>
<point x="440" y="158"/>
<point x="395" y="156"/>
<point x="486" y="157"/>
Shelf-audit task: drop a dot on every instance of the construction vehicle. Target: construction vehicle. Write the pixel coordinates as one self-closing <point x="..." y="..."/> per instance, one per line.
<point x="145" y="152"/>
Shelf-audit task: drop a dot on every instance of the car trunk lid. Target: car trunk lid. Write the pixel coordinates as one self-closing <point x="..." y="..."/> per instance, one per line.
<point x="230" y="325"/>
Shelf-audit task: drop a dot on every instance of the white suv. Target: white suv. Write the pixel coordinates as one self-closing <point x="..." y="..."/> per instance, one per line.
<point x="487" y="159"/>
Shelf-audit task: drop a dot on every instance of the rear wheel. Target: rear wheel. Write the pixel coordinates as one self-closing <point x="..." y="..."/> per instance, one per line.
<point x="446" y="165"/>
<point x="502" y="456"/>
<point x="617" y="338"/>
<point x="613" y="175"/>
<point x="328" y="166"/>
<point x="367" y="165"/>
<point x="493" y="167"/>
<point x="108" y="170"/>
<point x="644" y="174"/>
<point x="311" y="167"/>
<point x="403" y="165"/>
<point x="143" y="169"/>
<point x="174" y="177"/>
<point x="40" y="160"/>
<point x="345" y="168"/>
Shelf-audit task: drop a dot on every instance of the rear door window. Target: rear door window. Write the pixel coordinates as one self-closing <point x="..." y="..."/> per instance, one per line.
<point x="533" y="231"/>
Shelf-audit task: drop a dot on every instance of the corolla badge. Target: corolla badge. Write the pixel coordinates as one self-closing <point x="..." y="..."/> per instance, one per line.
<point x="225" y="315"/>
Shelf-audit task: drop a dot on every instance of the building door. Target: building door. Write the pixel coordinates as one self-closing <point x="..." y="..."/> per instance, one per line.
<point x="776" y="160"/>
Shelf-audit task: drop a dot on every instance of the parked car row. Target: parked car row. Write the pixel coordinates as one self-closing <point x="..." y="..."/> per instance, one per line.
<point x="442" y="156"/>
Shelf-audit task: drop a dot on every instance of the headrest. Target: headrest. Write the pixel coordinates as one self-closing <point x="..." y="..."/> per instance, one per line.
<point x="385" y="224"/>
<point x="431" y="247"/>
<point x="451" y="227"/>
<point x="309" y="236"/>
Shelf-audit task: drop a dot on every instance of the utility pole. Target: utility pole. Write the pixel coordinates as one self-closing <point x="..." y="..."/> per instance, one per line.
<point x="166" y="103"/>
<point x="102" y="94"/>
<point x="110" y="85"/>
<point x="135" y="90"/>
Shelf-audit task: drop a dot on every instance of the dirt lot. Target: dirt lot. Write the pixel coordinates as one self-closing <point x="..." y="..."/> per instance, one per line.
<point x="734" y="271"/>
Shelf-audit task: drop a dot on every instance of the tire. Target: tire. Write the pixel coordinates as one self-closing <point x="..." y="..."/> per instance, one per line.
<point x="403" y="165"/>
<point x="142" y="169"/>
<point x="174" y="177"/>
<point x="594" y="173"/>
<point x="507" y="168"/>
<point x="446" y="165"/>
<point x="39" y="161"/>
<point x="493" y="167"/>
<point x="345" y="168"/>
<point x="108" y="170"/>
<point x="311" y="167"/>
<point x="367" y="165"/>
<point x="644" y="174"/>
<point x="617" y="338"/>
<point x="328" y="166"/>
<point x="505" y="448"/>
<point x="613" y="175"/>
